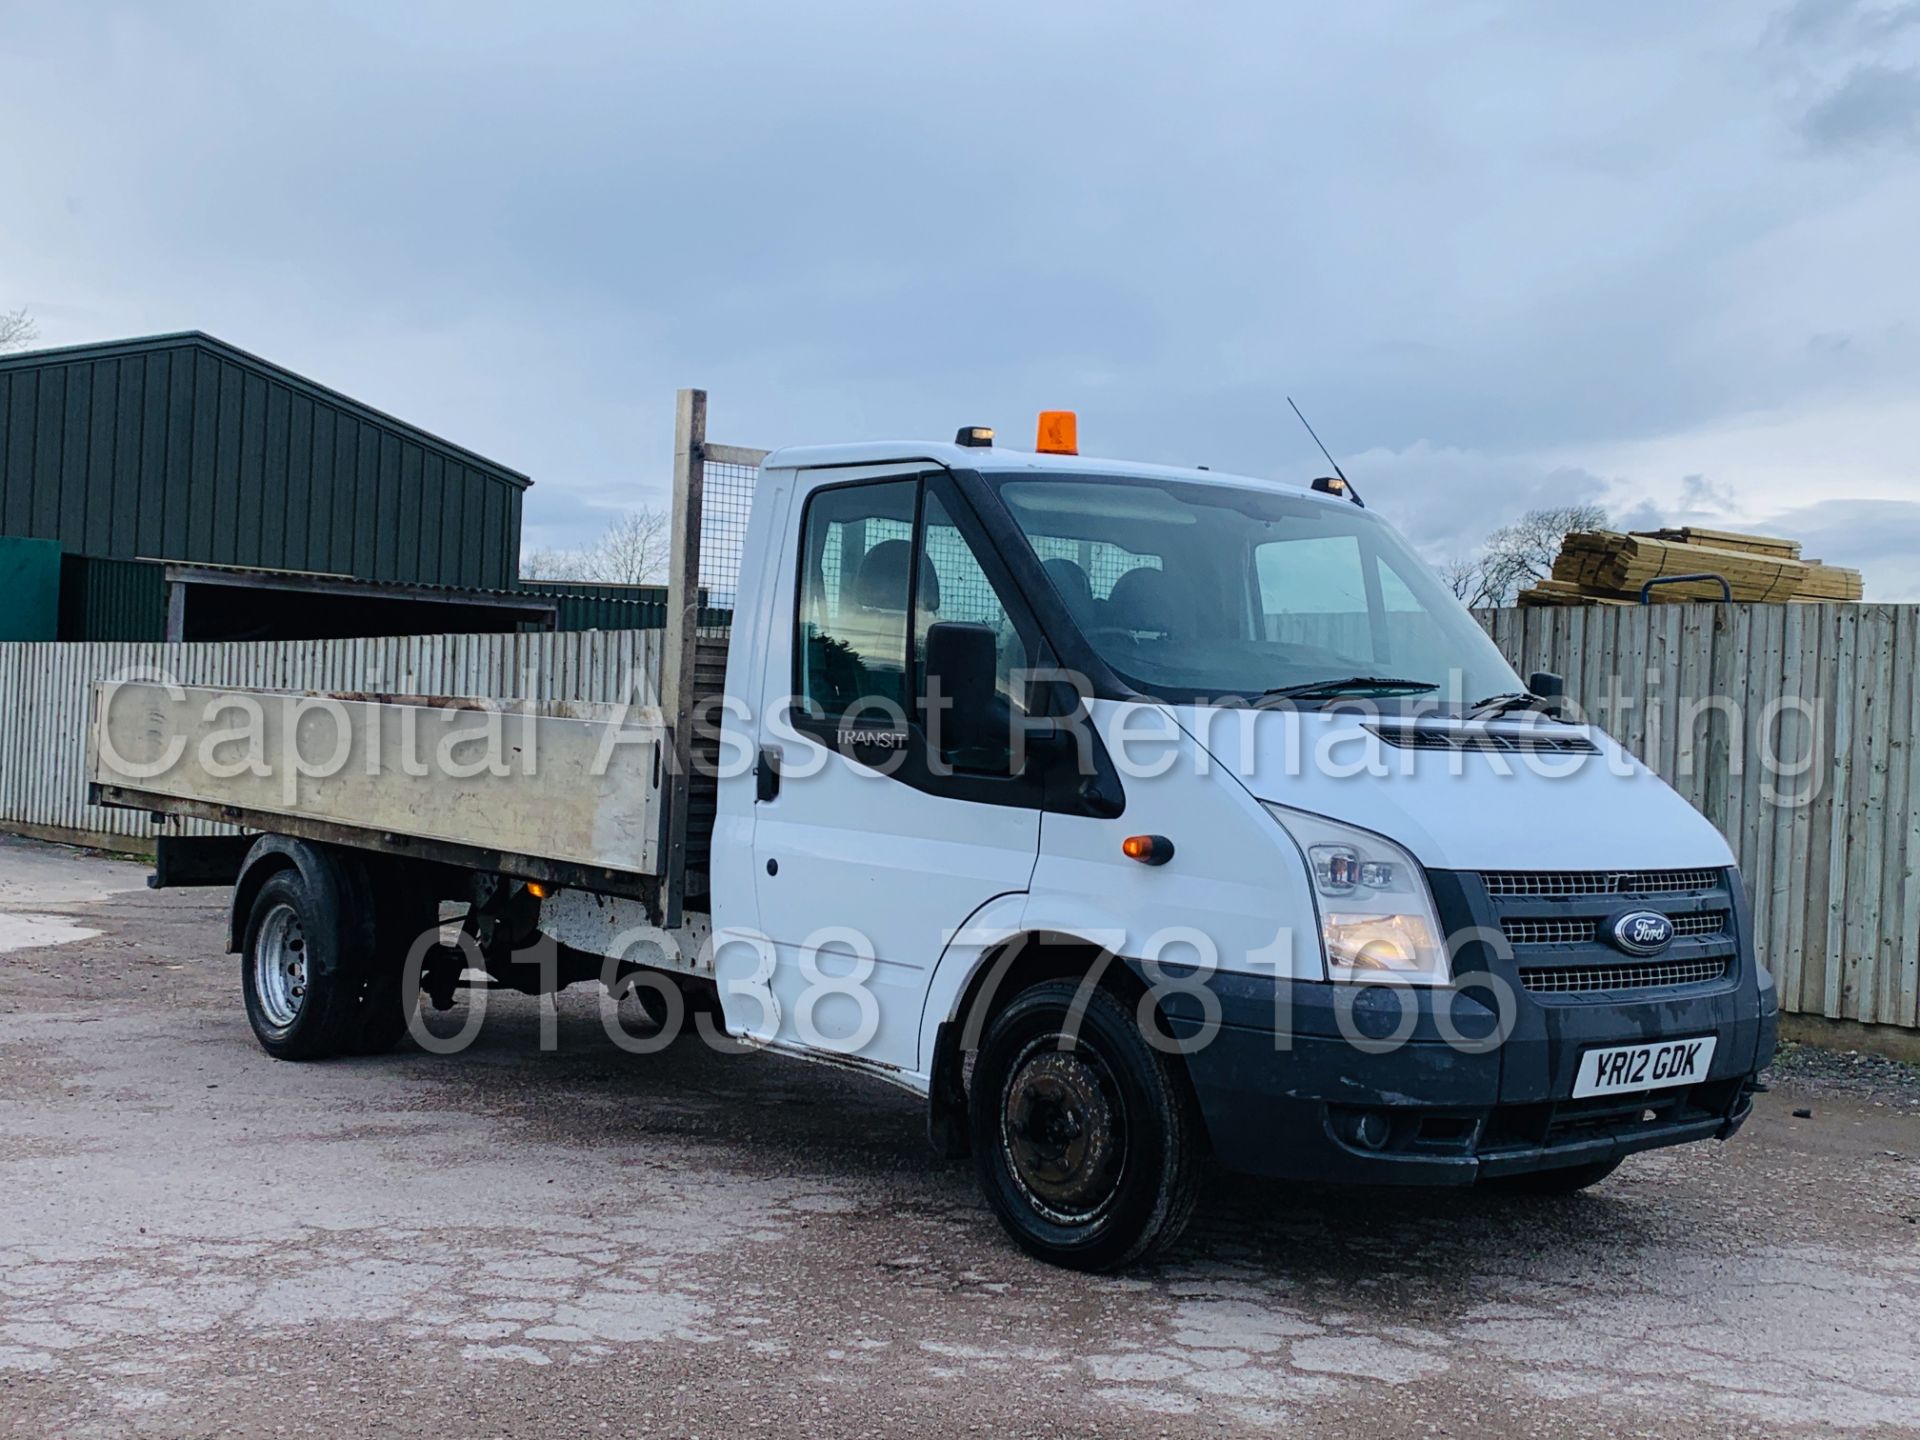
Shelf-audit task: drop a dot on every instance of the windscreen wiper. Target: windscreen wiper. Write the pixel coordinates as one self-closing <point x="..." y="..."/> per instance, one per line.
<point x="1500" y="704"/>
<point x="1350" y="685"/>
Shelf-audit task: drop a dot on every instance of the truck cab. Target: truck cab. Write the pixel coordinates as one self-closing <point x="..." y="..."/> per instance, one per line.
<point x="1131" y="812"/>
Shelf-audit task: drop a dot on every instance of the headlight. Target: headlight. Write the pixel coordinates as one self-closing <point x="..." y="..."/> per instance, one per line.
<point x="1377" y="920"/>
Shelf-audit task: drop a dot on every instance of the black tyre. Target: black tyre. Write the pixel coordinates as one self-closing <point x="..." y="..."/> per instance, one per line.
<point x="1568" y="1180"/>
<point x="297" y="976"/>
<point x="1086" y="1139"/>
<point x="380" y="1018"/>
<point x="385" y="1002"/>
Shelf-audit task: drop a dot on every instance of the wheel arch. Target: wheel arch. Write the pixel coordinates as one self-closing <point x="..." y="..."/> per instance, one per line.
<point x="333" y="876"/>
<point x="1002" y="960"/>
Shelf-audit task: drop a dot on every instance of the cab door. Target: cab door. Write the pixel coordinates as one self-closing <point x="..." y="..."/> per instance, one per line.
<point x="869" y="848"/>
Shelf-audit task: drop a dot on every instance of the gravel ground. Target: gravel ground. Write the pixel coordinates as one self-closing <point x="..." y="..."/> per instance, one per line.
<point x="1808" y="1070"/>
<point x="195" y="1239"/>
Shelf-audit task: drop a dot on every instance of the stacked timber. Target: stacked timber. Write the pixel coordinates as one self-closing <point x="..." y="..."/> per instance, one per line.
<point x="1828" y="582"/>
<point x="1608" y="567"/>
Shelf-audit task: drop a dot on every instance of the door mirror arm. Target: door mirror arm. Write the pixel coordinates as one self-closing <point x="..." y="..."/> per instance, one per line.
<point x="1043" y="743"/>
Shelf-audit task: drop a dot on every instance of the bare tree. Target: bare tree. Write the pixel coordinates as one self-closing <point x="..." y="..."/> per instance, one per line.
<point x="633" y="551"/>
<point x="17" y="330"/>
<point x="550" y="564"/>
<point x="1517" y="554"/>
<point x="1462" y="576"/>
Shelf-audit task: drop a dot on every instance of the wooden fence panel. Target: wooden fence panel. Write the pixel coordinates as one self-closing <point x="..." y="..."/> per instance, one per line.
<point x="1724" y="701"/>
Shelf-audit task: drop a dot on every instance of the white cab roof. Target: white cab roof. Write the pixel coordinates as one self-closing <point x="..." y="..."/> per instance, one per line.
<point x="999" y="461"/>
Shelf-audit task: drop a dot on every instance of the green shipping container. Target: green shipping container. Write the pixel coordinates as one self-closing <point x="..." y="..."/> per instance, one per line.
<point x="29" y="588"/>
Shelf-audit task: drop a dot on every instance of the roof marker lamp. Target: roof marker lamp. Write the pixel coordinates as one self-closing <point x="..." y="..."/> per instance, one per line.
<point x="1059" y="433"/>
<point x="1377" y="918"/>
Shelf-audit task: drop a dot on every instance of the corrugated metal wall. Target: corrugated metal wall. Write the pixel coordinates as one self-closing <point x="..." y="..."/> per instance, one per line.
<point x="184" y="448"/>
<point x="586" y="606"/>
<point x="599" y="590"/>
<point x="104" y="599"/>
<point x="589" y="605"/>
<point x="44" y="695"/>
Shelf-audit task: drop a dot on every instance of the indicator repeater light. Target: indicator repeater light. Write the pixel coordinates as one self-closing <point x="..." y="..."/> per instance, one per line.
<point x="1059" y="433"/>
<point x="1147" y="849"/>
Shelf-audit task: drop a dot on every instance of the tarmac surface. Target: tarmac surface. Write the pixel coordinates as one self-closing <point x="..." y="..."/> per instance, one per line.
<point x="198" y="1240"/>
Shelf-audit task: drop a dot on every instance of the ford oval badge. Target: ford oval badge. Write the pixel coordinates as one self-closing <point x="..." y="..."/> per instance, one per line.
<point x="1643" y="932"/>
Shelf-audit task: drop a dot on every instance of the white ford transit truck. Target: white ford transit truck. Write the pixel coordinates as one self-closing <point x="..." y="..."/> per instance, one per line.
<point x="1128" y="814"/>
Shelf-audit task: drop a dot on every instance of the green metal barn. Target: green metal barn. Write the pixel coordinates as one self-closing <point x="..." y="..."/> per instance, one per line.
<point x="185" y="449"/>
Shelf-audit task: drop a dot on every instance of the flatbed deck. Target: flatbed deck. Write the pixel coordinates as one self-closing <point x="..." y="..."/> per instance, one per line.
<point x="566" y="793"/>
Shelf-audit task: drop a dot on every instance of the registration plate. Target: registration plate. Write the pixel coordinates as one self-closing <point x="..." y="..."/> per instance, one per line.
<point x="1643" y="1067"/>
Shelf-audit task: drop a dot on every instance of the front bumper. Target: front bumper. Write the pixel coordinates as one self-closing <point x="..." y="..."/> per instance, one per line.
<point x="1306" y="1080"/>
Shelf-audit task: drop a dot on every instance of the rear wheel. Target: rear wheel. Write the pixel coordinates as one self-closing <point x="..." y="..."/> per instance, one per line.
<point x="293" y="971"/>
<point x="1085" y="1138"/>
<point x="381" y="1017"/>
<point x="385" y="1002"/>
<point x="1568" y="1180"/>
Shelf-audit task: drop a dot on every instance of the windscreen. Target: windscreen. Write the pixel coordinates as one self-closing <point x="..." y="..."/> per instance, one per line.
<point x="1193" y="591"/>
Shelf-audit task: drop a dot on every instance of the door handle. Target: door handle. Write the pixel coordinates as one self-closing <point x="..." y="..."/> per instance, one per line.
<point x="766" y="774"/>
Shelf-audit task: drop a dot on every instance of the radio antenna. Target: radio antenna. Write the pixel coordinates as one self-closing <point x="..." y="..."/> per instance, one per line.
<point x="1346" y="484"/>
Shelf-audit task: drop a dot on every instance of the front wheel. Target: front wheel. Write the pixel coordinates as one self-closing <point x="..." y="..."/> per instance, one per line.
<point x="1086" y="1138"/>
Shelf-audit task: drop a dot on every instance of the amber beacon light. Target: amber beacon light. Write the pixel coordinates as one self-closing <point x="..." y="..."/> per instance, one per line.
<point x="1147" y="849"/>
<point x="1059" y="433"/>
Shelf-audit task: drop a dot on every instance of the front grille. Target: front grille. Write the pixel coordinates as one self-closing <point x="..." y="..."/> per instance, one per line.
<point x="1582" y="929"/>
<point x="1430" y="737"/>
<point x="1700" y="922"/>
<point x="1639" y="975"/>
<point x="1562" y="883"/>
<point x="1577" y="930"/>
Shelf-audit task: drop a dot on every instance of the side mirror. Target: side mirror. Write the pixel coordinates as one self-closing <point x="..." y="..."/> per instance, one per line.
<point x="1549" y="688"/>
<point x="963" y="674"/>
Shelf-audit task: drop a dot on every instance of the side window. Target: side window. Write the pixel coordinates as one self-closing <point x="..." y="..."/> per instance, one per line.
<point x="856" y="560"/>
<point x="955" y="587"/>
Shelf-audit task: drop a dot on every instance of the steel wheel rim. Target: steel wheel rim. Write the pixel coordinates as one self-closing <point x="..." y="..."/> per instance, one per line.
<point x="1063" y="1130"/>
<point x="280" y="967"/>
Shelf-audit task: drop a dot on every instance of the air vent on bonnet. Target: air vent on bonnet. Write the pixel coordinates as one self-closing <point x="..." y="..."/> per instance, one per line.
<point x="1455" y="737"/>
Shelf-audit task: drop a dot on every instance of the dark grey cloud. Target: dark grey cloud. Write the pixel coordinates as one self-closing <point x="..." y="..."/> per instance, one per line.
<point x="1449" y="501"/>
<point x="1844" y="22"/>
<point x="1874" y="105"/>
<point x="1878" y="537"/>
<point x="1699" y="494"/>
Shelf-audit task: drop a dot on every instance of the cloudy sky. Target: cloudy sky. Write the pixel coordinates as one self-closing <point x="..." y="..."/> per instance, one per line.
<point x="1505" y="254"/>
